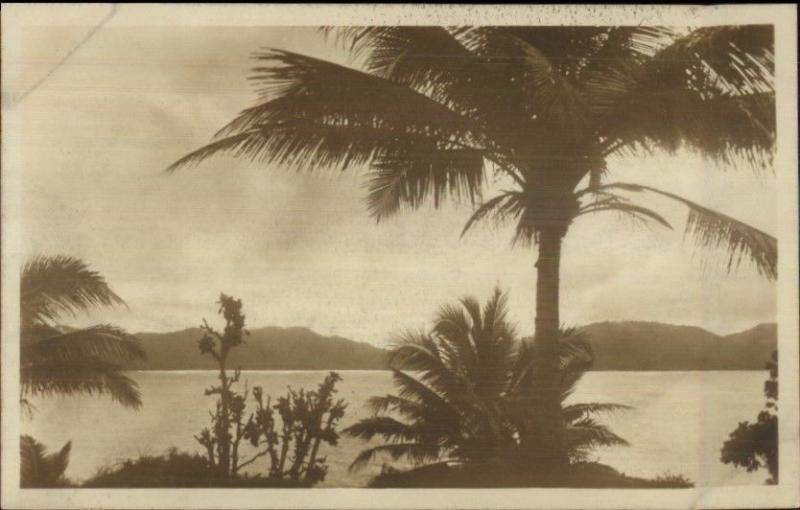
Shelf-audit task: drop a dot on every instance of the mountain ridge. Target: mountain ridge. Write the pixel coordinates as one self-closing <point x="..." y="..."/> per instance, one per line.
<point x="617" y="345"/>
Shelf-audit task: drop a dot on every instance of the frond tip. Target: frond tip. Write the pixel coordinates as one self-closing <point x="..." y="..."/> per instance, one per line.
<point x="55" y="285"/>
<point x="712" y="229"/>
<point x="103" y="341"/>
<point x="87" y="376"/>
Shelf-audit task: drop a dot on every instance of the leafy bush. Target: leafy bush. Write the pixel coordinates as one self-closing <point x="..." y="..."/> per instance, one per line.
<point x="175" y="469"/>
<point x="576" y="475"/>
<point x="755" y="445"/>
<point x="307" y="418"/>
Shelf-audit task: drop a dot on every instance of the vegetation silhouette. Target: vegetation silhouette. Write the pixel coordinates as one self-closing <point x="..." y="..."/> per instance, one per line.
<point x="291" y="444"/>
<point x="466" y="398"/>
<point x="38" y="469"/>
<point x="175" y="469"/>
<point x="59" y="360"/>
<point x="755" y="445"/>
<point x="55" y="359"/>
<point x="433" y="110"/>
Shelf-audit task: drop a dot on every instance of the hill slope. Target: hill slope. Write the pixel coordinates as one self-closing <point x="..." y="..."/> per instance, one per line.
<point x="617" y="346"/>
<point x="656" y="346"/>
<point x="268" y="348"/>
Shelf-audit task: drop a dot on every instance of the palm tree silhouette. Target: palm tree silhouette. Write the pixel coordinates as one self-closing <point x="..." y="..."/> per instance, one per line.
<point x="40" y="469"/>
<point x="61" y="360"/>
<point x="433" y="110"/>
<point x="465" y="394"/>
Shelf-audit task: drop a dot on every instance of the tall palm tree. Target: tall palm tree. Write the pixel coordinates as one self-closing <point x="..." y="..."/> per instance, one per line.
<point x="430" y="111"/>
<point x="465" y="394"/>
<point x="57" y="359"/>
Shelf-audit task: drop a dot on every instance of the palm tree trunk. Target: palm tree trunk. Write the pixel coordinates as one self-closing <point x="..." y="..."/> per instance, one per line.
<point x="547" y="426"/>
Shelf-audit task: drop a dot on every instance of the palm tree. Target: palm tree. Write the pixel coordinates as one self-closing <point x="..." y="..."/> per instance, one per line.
<point x="57" y="359"/>
<point x="465" y="394"/>
<point x="40" y="469"/>
<point x="432" y="110"/>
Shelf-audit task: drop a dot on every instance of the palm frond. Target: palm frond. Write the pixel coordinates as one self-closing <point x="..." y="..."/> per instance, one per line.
<point x="421" y="353"/>
<point x="439" y="63"/>
<point x="729" y="129"/>
<point x="425" y="413"/>
<point x="610" y="77"/>
<point x="38" y="468"/>
<point x="739" y="59"/>
<point x="588" y="433"/>
<point x="611" y="72"/>
<point x="712" y="229"/>
<point x="575" y="412"/>
<point x="497" y="330"/>
<point x="388" y="428"/>
<point x="54" y="285"/>
<point x="507" y="205"/>
<point x="409" y="175"/>
<point x="320" y="115"/>
<point x="454" y="328"/>
<point x="416" y="56"/>
<point x="711" y="90"/>
<point x="554" y="100"/>
<point x="621" y="205"/>
<point x="434" y="417"/>
<point x="26" y="408"/>
<point x="415" y="452"/>
<point x="575" y="357"/>
<point x="90" y="376"/>
<point x="307" y="94"/>
<point x="104" y="341"/>
<point x="494" y="348"/>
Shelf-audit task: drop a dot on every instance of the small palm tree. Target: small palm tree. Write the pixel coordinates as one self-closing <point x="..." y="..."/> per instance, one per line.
<point x="432" y="111"/>
<point x="57" y="359"/>
<point x="40" y="469"/>
<point x="466" y="393"/>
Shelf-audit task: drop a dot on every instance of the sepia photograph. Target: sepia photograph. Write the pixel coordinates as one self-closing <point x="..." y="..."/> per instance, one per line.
<point x="540" y="256"/>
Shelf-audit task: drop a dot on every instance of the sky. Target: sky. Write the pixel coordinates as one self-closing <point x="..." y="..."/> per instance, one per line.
<point x="93" y="139"/>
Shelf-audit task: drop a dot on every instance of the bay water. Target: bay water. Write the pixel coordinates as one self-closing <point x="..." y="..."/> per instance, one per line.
<point x="678" y="423"/>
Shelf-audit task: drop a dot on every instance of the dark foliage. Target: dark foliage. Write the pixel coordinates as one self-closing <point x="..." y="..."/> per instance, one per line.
<point x="54" y="359"/>
<point x="580" y="475"/>
<point x="755" y="445"/>
<point x="288" y="433"/>
<point x="175" y="469"/>
<point x="466" y="394"/>
<point x="222" y="439"/>
<point x="430" y="111"/>
<point x="38" y="469"/>
<point x="433" y="111"/>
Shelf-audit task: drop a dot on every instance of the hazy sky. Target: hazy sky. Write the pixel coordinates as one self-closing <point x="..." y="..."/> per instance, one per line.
<point x="97" y="134"/>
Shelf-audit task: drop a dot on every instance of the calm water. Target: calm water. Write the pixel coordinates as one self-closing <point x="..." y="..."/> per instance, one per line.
<point x="678" y="424"/>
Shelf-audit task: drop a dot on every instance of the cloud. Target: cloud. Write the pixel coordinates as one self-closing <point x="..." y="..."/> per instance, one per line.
<point x="300" y="249"/>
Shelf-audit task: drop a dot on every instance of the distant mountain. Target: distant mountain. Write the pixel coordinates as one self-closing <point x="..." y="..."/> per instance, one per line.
<point x="638" y="345"/>
<point x="617" y="346"/>
<point x="270" y="348"/>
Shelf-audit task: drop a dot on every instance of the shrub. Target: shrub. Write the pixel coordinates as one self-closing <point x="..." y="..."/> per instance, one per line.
<point x="755" y="445"/>
<point x="307" y="418"/>
<point x="576" y="475"/>
<point x="175" y="469"/>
